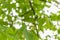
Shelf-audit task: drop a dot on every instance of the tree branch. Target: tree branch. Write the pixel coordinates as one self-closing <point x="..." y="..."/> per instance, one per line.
<point x="35" y="17"/>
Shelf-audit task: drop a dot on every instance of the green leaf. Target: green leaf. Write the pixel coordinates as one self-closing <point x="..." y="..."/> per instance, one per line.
<point x="30" y="35"/>
<point x="27" y="17"/>
<point x="59" y="30"/>
<point x="3" y="23"/>
<point x="53" y="17"/>
<point x="19" y="33"/>
<point x="9" y="18"/>
<point x="49" y="24"/>
<point x="1" y="1"/>
<point x="40" y="23"/>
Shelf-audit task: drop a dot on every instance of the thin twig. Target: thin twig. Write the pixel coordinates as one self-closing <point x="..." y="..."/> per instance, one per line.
<point x="35" y="17"/>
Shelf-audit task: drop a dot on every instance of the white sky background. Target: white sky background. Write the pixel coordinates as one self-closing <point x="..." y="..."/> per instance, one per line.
<point x="52" y="9"/>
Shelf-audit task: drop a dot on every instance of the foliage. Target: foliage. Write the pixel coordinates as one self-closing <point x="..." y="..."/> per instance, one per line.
<point x="28" y="11"/>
